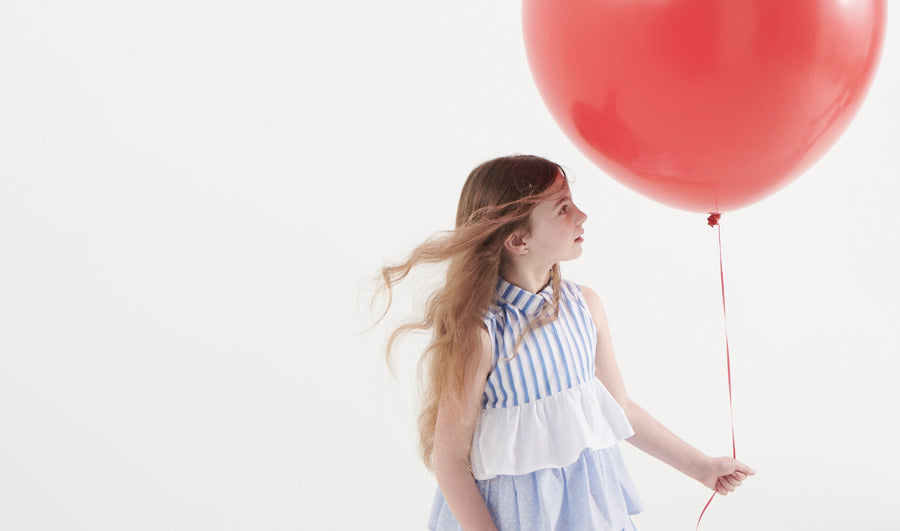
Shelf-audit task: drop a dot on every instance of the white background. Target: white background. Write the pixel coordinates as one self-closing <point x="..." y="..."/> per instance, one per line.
<point x="193" y="194"/>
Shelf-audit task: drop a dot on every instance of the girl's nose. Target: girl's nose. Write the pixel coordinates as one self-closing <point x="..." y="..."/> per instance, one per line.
<point x="582" y="216"/>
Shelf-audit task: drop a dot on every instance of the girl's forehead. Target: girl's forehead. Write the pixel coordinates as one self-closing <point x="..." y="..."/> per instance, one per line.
<point x="559" y="188"/>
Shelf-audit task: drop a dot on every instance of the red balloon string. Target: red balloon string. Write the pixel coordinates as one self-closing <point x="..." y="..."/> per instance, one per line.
<point x="713" y="221"/>
<point x="704" y="509"/>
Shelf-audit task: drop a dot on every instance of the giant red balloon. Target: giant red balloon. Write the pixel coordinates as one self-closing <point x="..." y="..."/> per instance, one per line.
<point x="703" y="105"/>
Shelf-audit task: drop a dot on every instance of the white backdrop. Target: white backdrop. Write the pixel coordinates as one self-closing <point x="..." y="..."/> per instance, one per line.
<point x="192" y="195"/>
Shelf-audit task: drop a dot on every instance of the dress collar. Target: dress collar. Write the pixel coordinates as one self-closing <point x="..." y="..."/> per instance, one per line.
<point x="528" y="302"/>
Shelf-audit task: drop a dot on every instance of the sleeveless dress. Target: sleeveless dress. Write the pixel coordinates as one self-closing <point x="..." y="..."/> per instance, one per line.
<point x="545" y="452"/>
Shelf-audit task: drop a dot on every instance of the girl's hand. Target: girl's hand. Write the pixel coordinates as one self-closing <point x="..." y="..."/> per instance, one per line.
<point x="724" y="474"/>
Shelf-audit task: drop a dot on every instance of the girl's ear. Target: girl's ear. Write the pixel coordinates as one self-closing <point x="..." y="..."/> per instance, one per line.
<point x="515" y="244"/>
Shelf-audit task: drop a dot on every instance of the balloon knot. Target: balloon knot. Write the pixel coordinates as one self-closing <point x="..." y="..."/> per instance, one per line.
<point x="713" y="219"/>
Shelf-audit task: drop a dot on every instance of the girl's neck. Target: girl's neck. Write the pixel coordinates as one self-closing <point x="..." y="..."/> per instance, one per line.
<point x="529" y="279"/>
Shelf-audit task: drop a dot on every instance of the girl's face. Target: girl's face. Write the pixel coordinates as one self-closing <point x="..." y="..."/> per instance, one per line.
<point x="556" y="227"/>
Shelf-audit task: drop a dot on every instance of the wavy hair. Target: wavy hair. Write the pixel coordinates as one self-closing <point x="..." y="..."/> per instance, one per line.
<point x="496" y="200"/>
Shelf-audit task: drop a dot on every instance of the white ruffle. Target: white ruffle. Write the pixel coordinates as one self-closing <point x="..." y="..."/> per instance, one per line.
<point x="548" y="432"/>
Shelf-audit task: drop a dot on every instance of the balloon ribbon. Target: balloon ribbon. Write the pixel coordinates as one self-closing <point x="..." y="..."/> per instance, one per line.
<point x="713" y="221"/>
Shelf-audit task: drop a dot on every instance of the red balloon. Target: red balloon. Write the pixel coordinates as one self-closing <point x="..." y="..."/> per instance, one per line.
<point x="703" y="105"/>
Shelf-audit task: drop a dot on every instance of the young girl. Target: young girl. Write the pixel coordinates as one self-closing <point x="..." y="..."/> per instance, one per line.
<point x="524" y="405"/>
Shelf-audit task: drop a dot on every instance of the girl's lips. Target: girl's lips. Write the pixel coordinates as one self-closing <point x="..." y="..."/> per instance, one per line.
<point x="579" y="239"/>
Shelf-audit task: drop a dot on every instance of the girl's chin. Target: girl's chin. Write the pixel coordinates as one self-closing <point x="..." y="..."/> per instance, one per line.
<point x="575" y="254"/>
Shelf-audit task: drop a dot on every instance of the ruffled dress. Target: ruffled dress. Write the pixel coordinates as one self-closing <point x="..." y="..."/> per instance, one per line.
<point x="545" y="452"/>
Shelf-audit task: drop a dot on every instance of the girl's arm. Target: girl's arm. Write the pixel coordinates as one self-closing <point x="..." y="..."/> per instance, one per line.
<point x="452" y="439"/>
<point x="722" y="474"/>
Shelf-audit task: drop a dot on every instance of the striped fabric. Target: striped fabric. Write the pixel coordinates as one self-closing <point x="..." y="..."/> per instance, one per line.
<point x="553" y="358"/>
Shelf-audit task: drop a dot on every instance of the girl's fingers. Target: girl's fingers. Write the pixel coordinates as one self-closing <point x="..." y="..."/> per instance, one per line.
<point x="729" y="482"/>
<point x="722" y="488"/>
<point x="741" y="467"/>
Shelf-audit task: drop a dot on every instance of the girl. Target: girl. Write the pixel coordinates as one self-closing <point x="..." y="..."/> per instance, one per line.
<point x="524" y="405"/>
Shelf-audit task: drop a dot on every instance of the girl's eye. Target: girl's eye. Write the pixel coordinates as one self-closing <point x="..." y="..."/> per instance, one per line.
<point x="564" y="208"/>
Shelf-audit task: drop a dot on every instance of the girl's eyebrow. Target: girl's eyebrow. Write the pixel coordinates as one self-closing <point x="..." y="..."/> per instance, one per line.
<point x="567" y="197"/>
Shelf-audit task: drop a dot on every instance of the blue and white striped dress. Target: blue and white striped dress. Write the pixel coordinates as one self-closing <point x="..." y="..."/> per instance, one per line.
<point x="545" y="452"/>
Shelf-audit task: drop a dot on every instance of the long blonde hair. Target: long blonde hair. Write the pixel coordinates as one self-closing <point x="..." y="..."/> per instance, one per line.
<point x="496" y="200"/>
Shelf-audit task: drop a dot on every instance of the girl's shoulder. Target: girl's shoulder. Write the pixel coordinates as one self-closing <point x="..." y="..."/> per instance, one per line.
<point x="574" y="291"/>
<point x="493" y="318"/>
<point x="569" y="286"/>
<point x="492" y="312"/>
